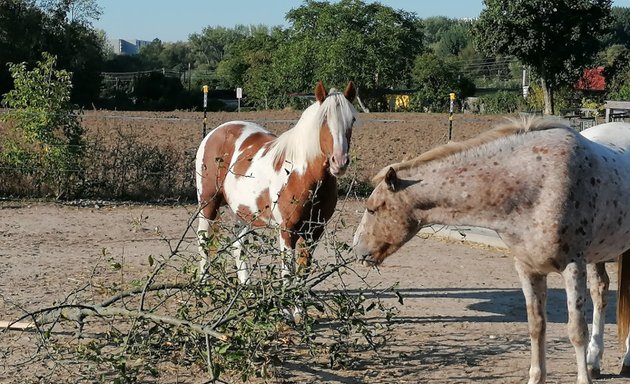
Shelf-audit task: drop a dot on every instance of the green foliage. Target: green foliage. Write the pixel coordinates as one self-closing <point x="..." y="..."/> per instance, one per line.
<point x="48" y="142"/>
<point x="564" y="98"/>
<point x="502" y="102"/>
<point x="555" y="38"/>
<point x="446" y="36"/>
<point x="61" y="28"/>
<point x="619" y="87"/>
<point x="348" y="40"/>
<point x="435" y="79"/>
<point x="620" y="27"/>
<point x="156" y="92"/>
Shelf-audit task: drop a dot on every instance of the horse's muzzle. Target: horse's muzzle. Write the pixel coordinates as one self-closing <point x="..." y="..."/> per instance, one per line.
<point x="364" y="257"/>
<point x="339" y="164"/>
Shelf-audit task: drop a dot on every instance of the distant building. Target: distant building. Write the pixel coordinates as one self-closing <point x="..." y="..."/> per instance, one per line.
<point x="127" y="47"/>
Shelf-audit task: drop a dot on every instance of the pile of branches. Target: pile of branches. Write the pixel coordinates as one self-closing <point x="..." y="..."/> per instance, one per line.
<point x="129" y="331"/>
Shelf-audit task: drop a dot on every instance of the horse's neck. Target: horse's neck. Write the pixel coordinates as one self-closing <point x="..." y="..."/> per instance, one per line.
<point x="496" y="193"/>
<point x="300" y="144"/>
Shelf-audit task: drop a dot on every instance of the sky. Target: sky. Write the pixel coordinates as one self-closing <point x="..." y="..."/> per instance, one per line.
<point x="172" y="21"/>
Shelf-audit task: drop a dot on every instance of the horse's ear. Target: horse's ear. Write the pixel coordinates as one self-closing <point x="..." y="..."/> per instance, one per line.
<point x="351" y="91"/>
<point x="391" y="179"/>
<point x="320" y="92"/>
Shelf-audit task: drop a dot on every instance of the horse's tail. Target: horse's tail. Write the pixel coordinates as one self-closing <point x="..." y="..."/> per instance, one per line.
<point x="623" y="296"/>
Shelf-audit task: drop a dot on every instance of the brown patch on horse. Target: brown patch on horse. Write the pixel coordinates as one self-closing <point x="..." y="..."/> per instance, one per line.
<point x="217" y="156"/>
<point x="320" y="92"/>
<point x="248" y="149"/>
<point x="350" y="92"/>
<point x="309" y="200"/>
<point x="261" y="217"/>
<point x="514" y="127"/>
<point x="326" y="140"/>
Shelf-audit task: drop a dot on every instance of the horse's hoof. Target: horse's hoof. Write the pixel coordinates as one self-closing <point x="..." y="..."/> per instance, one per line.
<point x="625" y="371"/>
<point x="595" y="373"/>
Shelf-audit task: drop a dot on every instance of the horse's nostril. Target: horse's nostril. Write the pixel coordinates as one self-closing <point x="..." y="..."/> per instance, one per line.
<point x="342" y="161"/>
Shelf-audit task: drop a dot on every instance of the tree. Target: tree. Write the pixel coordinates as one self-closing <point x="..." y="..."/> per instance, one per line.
<point x="74" y="11"/>
<point x="213" y="43"/>
<point x="372" y="44"/>
<point x="150" y="54"/>
<point x="27" y="30"/>
<point x="446" y="36"/>
<point x="555" y="38"/>
<point x="620" y="27"/>
<point x="20" y="35"/>
<point x="434" y="79"/>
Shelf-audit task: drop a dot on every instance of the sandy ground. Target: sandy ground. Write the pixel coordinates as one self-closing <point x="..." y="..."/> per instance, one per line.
<point x="463" y="319"/>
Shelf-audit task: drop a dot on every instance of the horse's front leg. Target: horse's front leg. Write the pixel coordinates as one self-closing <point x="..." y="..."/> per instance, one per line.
<point x="206" y="244"/>
<point x="242" y="268"/>
<point x="303" y="258"/>
<point x="598" y="282"/>
<point x="287" y="257"/>
<point x="293" y="269"/>
<point x="574" y="276"/>
<point x="535" y="292"/>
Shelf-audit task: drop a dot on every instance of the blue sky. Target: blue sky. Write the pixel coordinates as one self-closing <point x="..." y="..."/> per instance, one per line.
<point x="175" y="20"/>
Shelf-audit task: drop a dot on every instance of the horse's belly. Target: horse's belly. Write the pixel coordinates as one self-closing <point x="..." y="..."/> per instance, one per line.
<point x="253" y="197"/>
<point x="607" y="246"/>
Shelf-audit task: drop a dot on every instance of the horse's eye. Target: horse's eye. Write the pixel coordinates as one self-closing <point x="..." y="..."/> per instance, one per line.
<point x="354" y="119"/>
<point x="370" y="211"/>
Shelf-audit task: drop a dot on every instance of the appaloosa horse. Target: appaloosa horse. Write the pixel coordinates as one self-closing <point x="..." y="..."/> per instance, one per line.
<point x="288" y="182"/>
<point x="557" y="198"/>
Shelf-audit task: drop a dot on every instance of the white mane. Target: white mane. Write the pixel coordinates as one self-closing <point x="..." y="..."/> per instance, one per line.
<point x="300" y="144"/>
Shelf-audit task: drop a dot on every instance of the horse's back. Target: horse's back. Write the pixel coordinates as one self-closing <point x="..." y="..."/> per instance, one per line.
<point x="607" y="181"/>
<point x="615" y="136"/>
<point x="216" y="154"/>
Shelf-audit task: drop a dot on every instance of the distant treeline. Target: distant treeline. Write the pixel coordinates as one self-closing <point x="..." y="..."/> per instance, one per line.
<point x="382" y="49"/>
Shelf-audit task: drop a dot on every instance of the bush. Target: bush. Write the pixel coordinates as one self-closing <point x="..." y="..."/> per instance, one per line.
<point x="502" y="102"/>
<point x="124" y="168"/>
<point x="563" y="99"/>
<point x="435" y="79"/>
<point x="45" y="142"/>
<point x="620" y="86"/>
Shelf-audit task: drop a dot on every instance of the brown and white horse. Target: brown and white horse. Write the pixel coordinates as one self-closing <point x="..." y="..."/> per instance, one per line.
<point x="287" y="182"/>
<point x="558" y="199"/>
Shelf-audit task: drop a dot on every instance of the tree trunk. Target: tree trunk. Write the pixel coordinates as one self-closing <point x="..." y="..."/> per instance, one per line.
<point x="547" y="96"/>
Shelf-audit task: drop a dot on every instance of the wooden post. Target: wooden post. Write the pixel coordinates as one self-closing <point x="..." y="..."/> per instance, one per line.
<point x="205" y="106"/>
<point x="452" y="97"/>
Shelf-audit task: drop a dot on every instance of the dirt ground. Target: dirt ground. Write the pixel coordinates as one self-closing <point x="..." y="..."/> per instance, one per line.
<point x="463" y="319"/>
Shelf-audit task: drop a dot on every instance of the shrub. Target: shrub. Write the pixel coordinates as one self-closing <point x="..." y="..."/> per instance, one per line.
<point x="562" y="99"/>
<point x="435" y="79"/>
<point x="620" y="86"/>
<point x="502" y="102"/>
<point x="46" y="140"/>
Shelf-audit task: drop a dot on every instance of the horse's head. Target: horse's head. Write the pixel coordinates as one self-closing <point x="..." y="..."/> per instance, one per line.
<point x="388" y="221"/>
<point x="338" y="115"/>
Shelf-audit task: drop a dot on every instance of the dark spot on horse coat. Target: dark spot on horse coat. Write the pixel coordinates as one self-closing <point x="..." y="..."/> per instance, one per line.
<point x="565" y="248"/>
